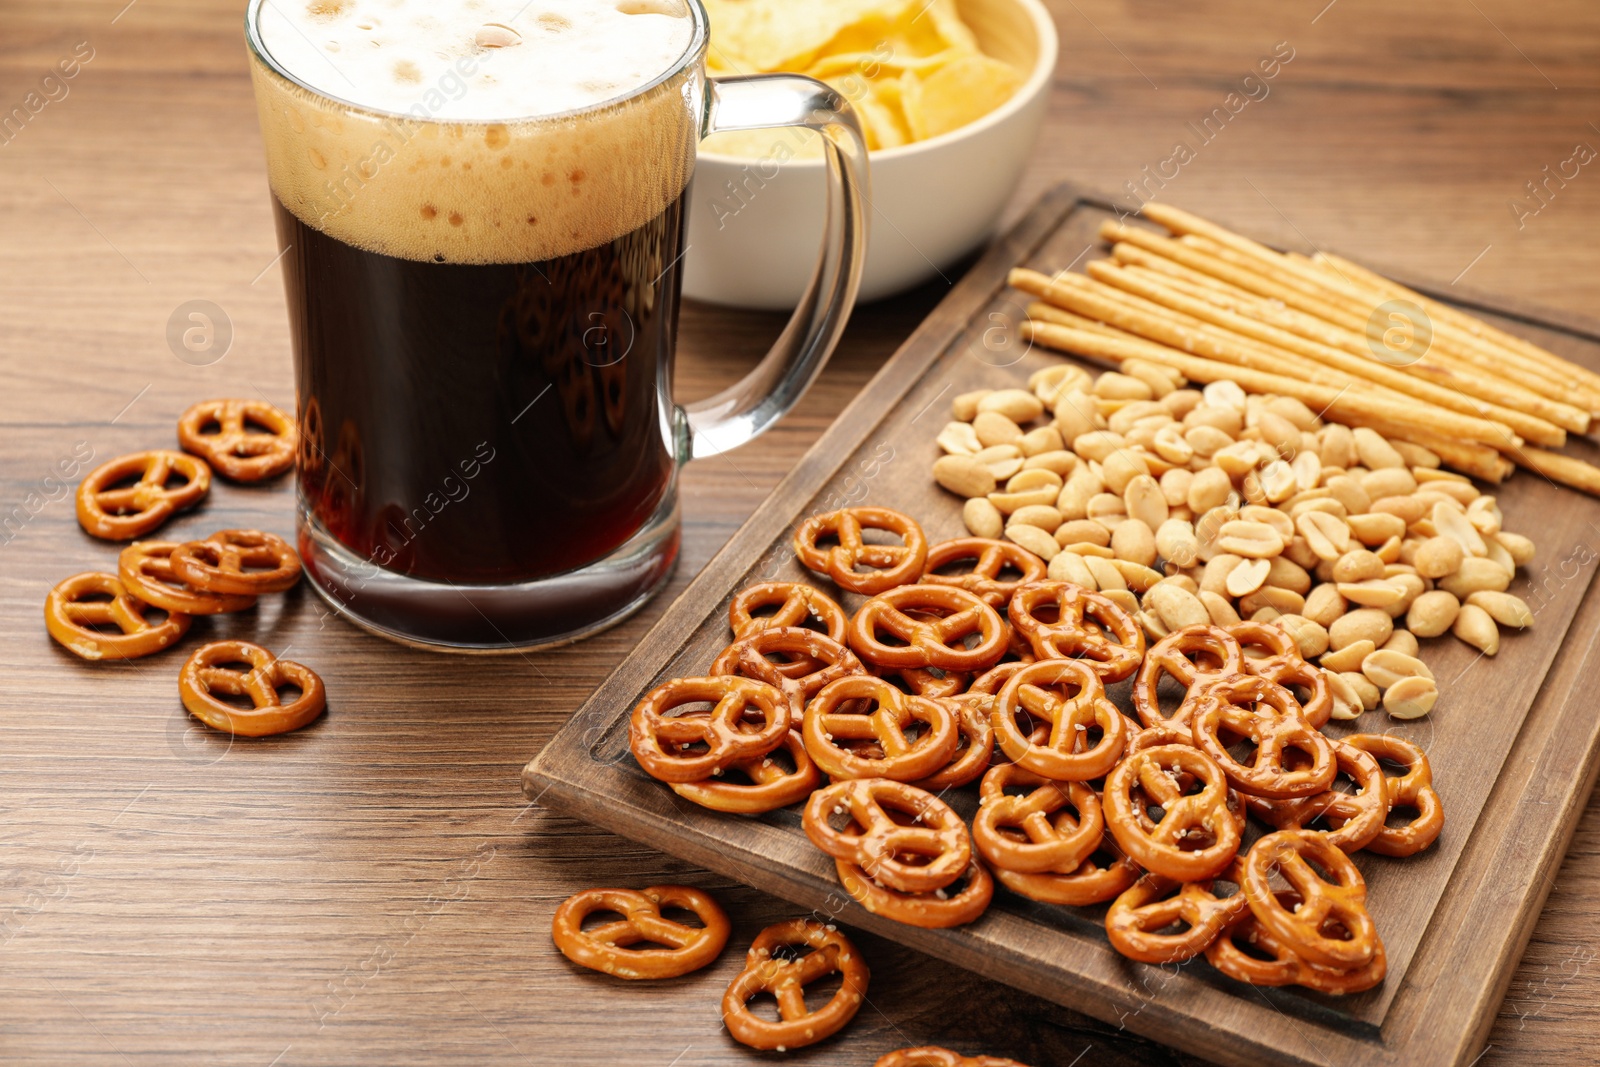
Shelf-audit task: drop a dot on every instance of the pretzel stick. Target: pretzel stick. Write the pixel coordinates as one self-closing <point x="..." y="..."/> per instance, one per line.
<point x="1341" y="403"/>
<point x="1062" y="317"/>
<point x="1359" y="282"/>
<point x="1528" y="426"/>
<point x="1461" y="377"/>
<point x="1151" y="322"/>
<point x="1329" y="306"/>
<point x="1564" y="469"/>
<point x="1358" y="300"/>
<point x="1469" y="459"/>
<point x="1476" y="326"/>
<point x="1071" y="291"/>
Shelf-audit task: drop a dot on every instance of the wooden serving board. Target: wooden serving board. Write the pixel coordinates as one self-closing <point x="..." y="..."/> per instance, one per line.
<point x="1513" y="741"/>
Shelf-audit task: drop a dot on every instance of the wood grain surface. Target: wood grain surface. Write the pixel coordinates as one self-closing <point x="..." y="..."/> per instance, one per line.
<point x="375" y="888"/>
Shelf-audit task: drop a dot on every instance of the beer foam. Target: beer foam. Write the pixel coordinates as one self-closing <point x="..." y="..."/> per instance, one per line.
<point x="482" y="131"/>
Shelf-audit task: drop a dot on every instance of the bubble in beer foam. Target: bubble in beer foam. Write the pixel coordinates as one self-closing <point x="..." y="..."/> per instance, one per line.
<point x="529" y="57"/>
<point x="454" y="164"/>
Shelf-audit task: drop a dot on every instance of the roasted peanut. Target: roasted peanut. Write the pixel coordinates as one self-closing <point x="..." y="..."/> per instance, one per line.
<point x="1503" y="608"/>
<point x="1043" y="516"/>
<point x="1176" y="607"/>
<point x="1059" y="460"/>
<point x="1476" y="574"/>
<point x="1002" y="460"/>
<point x="1144" y="501"/>
<point x="1034" y="540"/>
<point x="1122" y="467"/>
<point x="959" y="438"/>
<point x="1070" y="567"/>
<point x="1477" y="628"/>
<point x="1411" y="698"/>
<point x="1242" y="537"/>
<point x="1374" y="451"/>
<point x="1018" y="405"/>
<point x="1432" y="613"/>
<point x="1248" y="576"/>
<point x="1437" y="557"/>
<point x="1311" y="637"/>
<point x="1369" y="694"/>
<point x="1349" y="657"/>
<point x="1363" y="624"/>
<point x="1324" y="604"/>
<point x="1402" y="641"/>
<point x="1376" y="528"/>
<point x="994" y="428"/>
<point x="1133" y="540"/>
<point x="1346" y="701"/>
<point x="1385" y="667"/>
<point x="1176" y="543"/>
<point x="964" y="408"/>
<point x="1219" y="608"/>
<point x="963" y="475"/>
<point x="1043" y="440"/>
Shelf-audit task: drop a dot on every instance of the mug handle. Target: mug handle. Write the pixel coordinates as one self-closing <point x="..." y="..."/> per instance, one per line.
<point x="748" y="408"/>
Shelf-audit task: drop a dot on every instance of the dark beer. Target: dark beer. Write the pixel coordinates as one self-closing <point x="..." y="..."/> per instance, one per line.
<point x="481" y="423"/>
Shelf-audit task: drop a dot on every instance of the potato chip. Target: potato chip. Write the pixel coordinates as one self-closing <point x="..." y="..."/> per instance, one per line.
<point x="963" y="91"/>
<point x="770" y="35"/>
<point x="912" y="69"/>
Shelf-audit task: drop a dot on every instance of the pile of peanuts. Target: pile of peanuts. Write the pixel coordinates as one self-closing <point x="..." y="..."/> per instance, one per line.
<point x="1211" y="506"/>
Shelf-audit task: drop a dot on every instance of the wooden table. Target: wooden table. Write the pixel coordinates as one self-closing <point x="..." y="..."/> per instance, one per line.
<point x="375" y="888"/>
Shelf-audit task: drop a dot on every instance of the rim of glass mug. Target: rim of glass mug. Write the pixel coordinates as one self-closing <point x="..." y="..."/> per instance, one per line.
<point x="693" y="52"/>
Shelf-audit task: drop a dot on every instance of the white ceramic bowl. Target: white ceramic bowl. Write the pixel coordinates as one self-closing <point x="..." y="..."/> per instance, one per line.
<point x="932" y="202"/>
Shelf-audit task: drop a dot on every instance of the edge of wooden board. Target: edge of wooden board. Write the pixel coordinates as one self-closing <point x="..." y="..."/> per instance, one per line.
<point x="1461" y="989"/>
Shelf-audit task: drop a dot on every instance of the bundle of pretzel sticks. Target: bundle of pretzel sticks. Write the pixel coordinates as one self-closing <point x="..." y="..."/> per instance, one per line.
<point x="1214" y="305"/>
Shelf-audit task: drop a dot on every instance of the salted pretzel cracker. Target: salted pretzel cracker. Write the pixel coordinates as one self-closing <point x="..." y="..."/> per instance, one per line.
<point x="930" y="624"/>
<point x="1066" y="621"/>
<point x="1353" y="818"/>
<point x="1283" y="665"/>
<point x="886" y="566"/>
<point x="785" y="978"/>
<point x="666" y="745"/>
<point x="219" y="431"/>
<point x="990" y="559"/>
<point x="938" y="910"/>
<point x="1035" y="833"/>
<point x="71" y="617"/>
<point x="1069" y="696"/>
<point x="1196" y="836"/>
<point x="208" y="672"/>
<point x="974" y="747"/>
<point x="939" y="1056"/>
<point x="925" y="849"/>
<point x="239" y="562"/>
<point x="1186" y="655"/>
<point x="796" y="604"/>
<point x="839" y="715"/>
<point x="609" y="947"/>
<point x="1249" y="952"/>
<point x="751" y="656"/>
<point x="1106" y="874"/>
<point x="769" y="787"/>
<point x="1139" y="921"/>
<point x="145" y="570"/>
<point x="1331" y="903"/>
<point x="115" y="512"/>
<point x="1250" y="706"/>
<point x="1412" y="791"/>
